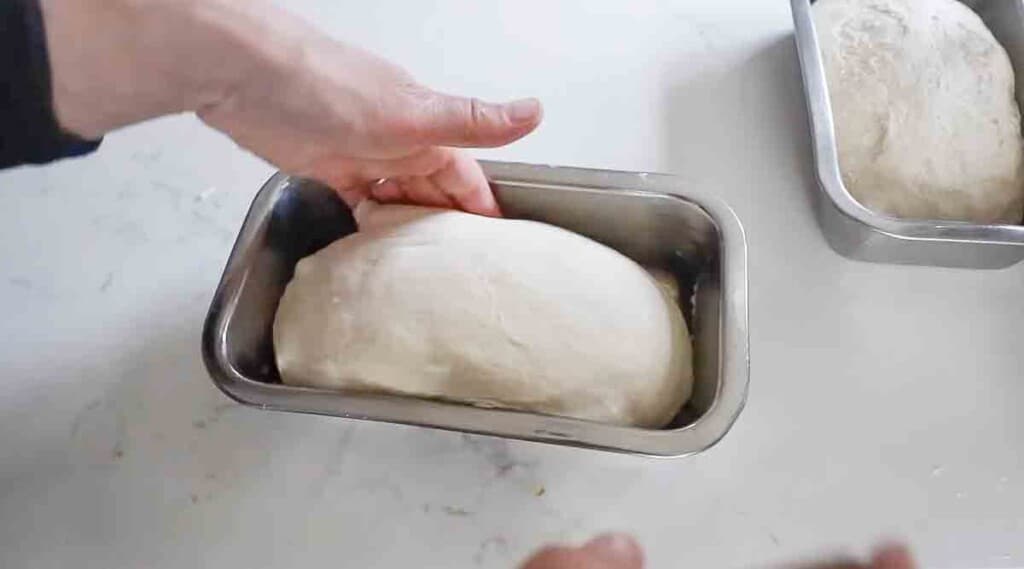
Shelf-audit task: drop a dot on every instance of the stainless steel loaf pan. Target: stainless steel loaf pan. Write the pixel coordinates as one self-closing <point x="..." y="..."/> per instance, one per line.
<point x="699" y="240"/>
<point x="859" y="233"/>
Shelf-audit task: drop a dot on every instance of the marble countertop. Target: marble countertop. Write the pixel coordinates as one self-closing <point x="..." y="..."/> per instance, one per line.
<point x="884" y="402"/>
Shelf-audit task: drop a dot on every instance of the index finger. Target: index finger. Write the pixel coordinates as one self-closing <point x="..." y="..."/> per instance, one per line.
<point x="464" y="181"/>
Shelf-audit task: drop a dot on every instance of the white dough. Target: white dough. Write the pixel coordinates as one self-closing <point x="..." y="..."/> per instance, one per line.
<point x="925" y="115"/>
<point x="495" y="312"/>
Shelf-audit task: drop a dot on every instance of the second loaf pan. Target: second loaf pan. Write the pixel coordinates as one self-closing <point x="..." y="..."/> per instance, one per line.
<point x="859" y="233"/>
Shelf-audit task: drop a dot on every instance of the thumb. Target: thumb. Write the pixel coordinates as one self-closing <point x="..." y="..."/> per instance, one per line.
<point x="448" y="120"/>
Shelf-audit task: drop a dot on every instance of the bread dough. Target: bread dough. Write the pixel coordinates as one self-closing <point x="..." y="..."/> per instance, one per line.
<point x="925" y="117"/>
<point x="494" y="312"/>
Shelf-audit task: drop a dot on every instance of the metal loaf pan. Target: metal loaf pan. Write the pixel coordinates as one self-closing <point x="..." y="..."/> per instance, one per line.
<point x="859" y="233"/>
<point x="699" y="240"/>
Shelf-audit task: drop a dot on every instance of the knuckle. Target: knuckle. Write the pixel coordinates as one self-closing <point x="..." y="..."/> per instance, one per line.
<point x="477" y="112"/>
<point x="429" y="162"/>
<point x="460" y="189"/>
<point x="462" y="117"/>
<point x="478" y="117"/>
<point x="414" y="113"/>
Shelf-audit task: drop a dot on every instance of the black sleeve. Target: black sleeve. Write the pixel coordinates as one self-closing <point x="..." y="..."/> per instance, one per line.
<point x="29" y="132"/>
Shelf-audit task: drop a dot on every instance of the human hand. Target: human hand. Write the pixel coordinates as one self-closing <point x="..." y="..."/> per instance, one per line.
<point x="885" y="557"/>
<point x="310" y="105"/>
<point x="343" y="116"/>
<point x="609" y="551"/>
<point x="618" y="551"/>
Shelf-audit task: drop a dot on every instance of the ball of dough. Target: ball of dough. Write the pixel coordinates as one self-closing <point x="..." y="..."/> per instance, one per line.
<point x="925" y="116"/>
<point x="495" y="312"/>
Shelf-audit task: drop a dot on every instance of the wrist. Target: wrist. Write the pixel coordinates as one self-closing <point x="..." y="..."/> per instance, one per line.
<point x="117" y="62"/>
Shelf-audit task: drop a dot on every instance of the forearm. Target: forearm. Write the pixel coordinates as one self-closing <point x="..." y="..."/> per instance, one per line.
<point x="117" y="62"/>
<point x="29" y="131"/>
<point x="307" y="103"/>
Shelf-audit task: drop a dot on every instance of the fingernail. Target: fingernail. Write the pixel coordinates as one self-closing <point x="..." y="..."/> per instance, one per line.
<point x="618" y="547"/>
<point x="522" y="111"/>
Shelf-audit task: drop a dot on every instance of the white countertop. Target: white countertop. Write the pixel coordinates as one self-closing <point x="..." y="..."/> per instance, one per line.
<point x="884" y="400"/>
